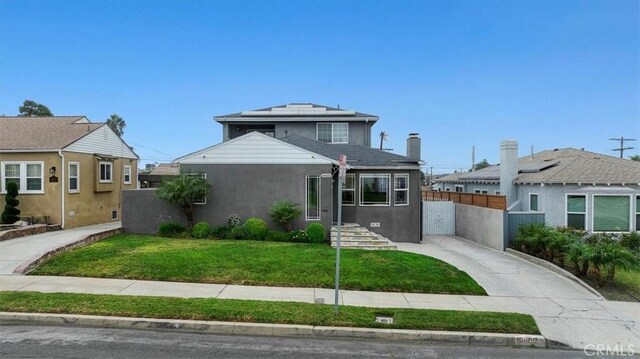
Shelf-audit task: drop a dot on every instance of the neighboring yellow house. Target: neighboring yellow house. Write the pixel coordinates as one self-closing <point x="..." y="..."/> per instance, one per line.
<point x="68" y="170"/>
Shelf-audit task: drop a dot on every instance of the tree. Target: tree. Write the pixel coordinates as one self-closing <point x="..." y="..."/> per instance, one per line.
<point x="33" y="109"/>
<point x="482" y="164"/>
<point x="285" y="212"/>
<point x="635" y="158"/>
<point x="117" y="124"/>
<point x="11" y="214"/>
<point x="184" y="191"/>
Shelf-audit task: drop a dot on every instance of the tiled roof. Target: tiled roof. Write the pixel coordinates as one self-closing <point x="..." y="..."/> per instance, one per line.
<point x="297" y="112"/>
<point x="566" y="165"/>
<point x="43" y="133"/>
<point x="357" y="156"/>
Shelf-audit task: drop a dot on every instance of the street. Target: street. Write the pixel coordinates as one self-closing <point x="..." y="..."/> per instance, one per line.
<point x="23" y="341"/>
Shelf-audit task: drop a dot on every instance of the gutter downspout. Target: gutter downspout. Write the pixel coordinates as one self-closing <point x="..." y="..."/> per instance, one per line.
<point x="62" y="189"/>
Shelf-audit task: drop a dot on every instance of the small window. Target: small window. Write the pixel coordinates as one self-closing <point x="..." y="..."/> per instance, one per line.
<point x="374" y="190"/>
<point x="74" y="177"/>
<point x="496" y="192"/>
<point x="459" y="188"/>
<point x="313" y="197"/>
<point x="203" y="199"/>
<point x="349" y="190"/>
<point x="106" y="170"/>
<point x="114" y="214"/>
<point x="533" y="202"/>
<point x="480" y="191"/>
<point x="127" y="174"/>
<point x="447" y="189"/>
<point x="333" y="132"/>
<point x="576" y="211"/>
<point x="611" y="213"/>
<point x="401" y="189"/>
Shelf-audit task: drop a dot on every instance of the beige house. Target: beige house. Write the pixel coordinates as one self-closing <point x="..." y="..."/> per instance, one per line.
<point x="69" y="170"/>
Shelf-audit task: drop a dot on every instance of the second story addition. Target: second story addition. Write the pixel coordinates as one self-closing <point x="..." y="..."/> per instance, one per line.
<point x="321" y="123"/>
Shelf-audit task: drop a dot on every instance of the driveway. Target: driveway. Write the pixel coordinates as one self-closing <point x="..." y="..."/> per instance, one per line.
<point x="15" y="252"/>
<point x="563" y="310"/>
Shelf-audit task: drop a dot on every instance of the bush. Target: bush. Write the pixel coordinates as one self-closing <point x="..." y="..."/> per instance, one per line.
<point x="631" y="241"/>
<point x="316" y="233"/>
<point x="256" y="229"/>
<point x="300" y="236"/>
<point x="171" y="230"/>
<point x="221" y="232"/>
<point x="233" y="220"/>
<point x="285" y="212"/>
<point x="239" y="232"/>
<point x="277" y="236"/>
<point x="201" y="230"/>
<point x="11" y="213"/>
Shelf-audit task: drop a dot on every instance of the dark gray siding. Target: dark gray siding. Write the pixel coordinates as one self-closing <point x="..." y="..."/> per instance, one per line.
<point x="142" y="211"/>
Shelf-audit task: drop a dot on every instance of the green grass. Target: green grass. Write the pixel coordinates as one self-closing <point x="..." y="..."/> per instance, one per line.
<point x="259" y="263"/>
<point x="629" y="281"/>
<point x="264" y="312"/>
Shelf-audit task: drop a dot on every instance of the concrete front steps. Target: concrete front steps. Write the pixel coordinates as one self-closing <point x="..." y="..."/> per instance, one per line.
<point x="354" y="236"/>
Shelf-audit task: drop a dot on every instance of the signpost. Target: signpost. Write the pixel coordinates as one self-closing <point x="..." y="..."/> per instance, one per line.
<point x="342" y="171"/>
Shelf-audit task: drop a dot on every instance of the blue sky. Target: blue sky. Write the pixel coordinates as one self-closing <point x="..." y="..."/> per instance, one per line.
<point x="550" y="74"/>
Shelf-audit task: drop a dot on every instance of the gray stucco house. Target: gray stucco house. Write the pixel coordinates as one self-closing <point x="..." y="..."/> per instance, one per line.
<point x="573" y="188"/>
<point x="291" y="152"/>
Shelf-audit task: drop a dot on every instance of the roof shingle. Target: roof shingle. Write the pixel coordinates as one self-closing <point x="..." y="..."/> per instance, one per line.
<point x="43" y="133"/>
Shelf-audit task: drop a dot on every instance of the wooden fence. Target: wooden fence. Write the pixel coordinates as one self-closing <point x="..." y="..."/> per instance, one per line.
<point x="474" y="199"/>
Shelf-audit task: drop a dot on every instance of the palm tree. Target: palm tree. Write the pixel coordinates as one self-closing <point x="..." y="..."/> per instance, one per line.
<point x="117" y="124"/>
<point x="184" y="191"/>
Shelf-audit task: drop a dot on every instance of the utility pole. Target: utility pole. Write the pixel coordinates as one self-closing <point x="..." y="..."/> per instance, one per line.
<point x="621" y="149"/>
<point x="473" y="158"/>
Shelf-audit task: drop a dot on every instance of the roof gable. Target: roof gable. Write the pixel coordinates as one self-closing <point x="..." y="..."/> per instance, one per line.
<point x="254" y="148"/>
<point x="43" y="133"/>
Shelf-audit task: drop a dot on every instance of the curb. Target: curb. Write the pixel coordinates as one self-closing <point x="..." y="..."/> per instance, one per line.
<point x="554" y="268"/>
<point x="280" y="330"/>
<point x="35" y="261"/>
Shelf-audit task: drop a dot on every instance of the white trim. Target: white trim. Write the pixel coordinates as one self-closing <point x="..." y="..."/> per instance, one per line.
<point x="204" y="176"/>
<point x="22" y="176"/>
<point x="567" y="213"/>
<point x="374" y="175"/>
<point x="77" y="176"/>
<point x="306" y="199"/>
<point x="481" y="191"/>
<point x="110" y="180"/>
<point x="332" y="131"/>
<point x="496" y="192"/>
<point x="124" y="174"/>
<point x="636" y="212"/>
<point x="352" y="175"/>
<point x="537" y="202"/>
<point x="459" y="186"/>
<point x="395" y="175"/>
<point x="593" y="212"/>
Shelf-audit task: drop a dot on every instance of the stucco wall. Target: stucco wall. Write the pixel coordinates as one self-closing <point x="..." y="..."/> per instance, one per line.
<point x="143" y="212"/>
<point x="481" y="225"/>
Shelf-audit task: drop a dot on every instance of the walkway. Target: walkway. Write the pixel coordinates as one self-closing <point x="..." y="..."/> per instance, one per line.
<point x="14" y="252"/>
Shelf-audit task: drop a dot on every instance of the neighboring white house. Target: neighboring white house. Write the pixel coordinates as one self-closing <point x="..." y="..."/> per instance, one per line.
<point x="573" y="188"/>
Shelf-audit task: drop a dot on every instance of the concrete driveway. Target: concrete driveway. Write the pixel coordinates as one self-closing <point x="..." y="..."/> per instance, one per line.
<point x="15" y="252"/>
<point x="563" y="310"/>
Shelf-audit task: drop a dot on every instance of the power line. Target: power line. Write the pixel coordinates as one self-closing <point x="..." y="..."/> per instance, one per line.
<point x="621" y="149"/>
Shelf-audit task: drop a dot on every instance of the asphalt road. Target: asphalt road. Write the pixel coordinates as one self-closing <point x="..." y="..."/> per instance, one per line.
<point x="22" y="341"/>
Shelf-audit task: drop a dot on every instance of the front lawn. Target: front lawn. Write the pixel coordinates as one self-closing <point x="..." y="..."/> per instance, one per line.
<point x="259" y="263"/>
<point x="264" y="312"/>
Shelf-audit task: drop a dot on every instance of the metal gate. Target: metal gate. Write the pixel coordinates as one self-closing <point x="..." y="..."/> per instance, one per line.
<point x="439" y="217"/>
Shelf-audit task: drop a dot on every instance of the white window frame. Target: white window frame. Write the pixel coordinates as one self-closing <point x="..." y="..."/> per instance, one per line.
<point x="362" y="176"/>
<point x="459" y="186"/>
<point x="406" y="175"/>
<point x="332" y="124"/>
<point x="23" y="176"/>
<point x="110" y="164"/>
<point x="496" y="192"/>
<point x="637" y="212"/>
<point x="204" y="176"/>
<point x="306" y="200"/>
<point x="593" y="211"/>
<point x="447" y="189"/>
<point x="567" y="213"/>
<point x="537" y="202"/>
<point x="77" y="177"/>
<point x="116" y="213"/>
<point x="480" y="191"/>
<point x="350" y="175"/>
<point x="125" y="174"/>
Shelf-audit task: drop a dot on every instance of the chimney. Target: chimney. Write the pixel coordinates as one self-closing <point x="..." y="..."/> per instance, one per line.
<point x="508" y="169"/>
<point x="413" y="146"/>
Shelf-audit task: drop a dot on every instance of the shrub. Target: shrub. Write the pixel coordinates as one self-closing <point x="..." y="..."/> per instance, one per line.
<point x="285" y="212"/>
<point x="221" y="232"/>
<point x="239" y="232"/>
<point x="11" y="213"/>
<point x="631" y="241"/>
<point x="277" y="236"/>
<point x="171" y="230"/>
<point x="533" y="238"/>
<point x="300" y="236"/>
<point x="233" y="220"/>
<point x="201" y="230"/>
<point x="316" y="232"/>
<point x="256" y="228"/>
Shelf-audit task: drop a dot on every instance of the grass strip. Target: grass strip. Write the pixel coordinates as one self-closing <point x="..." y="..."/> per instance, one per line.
<point x="259" y="263"/>
<point x="232" y="310"/>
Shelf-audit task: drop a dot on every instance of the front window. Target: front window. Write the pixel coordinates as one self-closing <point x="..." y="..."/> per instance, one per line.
<point x="105" y="172"/>
<point x="576" y="211"/>
<point x="611" y="213"/>
<point x="374" y="189"/>
<point x="533" y="202"/>
<point x="28" y="176"/>
<point x="74" y="178"/>
<point x="401" y="189"/>
<point x="313" y="197"/>
<point x="127" y="174"/>
<point x="333" y="132"/>
<point x="349" y="190"/>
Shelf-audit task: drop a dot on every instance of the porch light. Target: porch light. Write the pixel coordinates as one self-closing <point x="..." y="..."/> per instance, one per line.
<point x="52" y="170"/>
